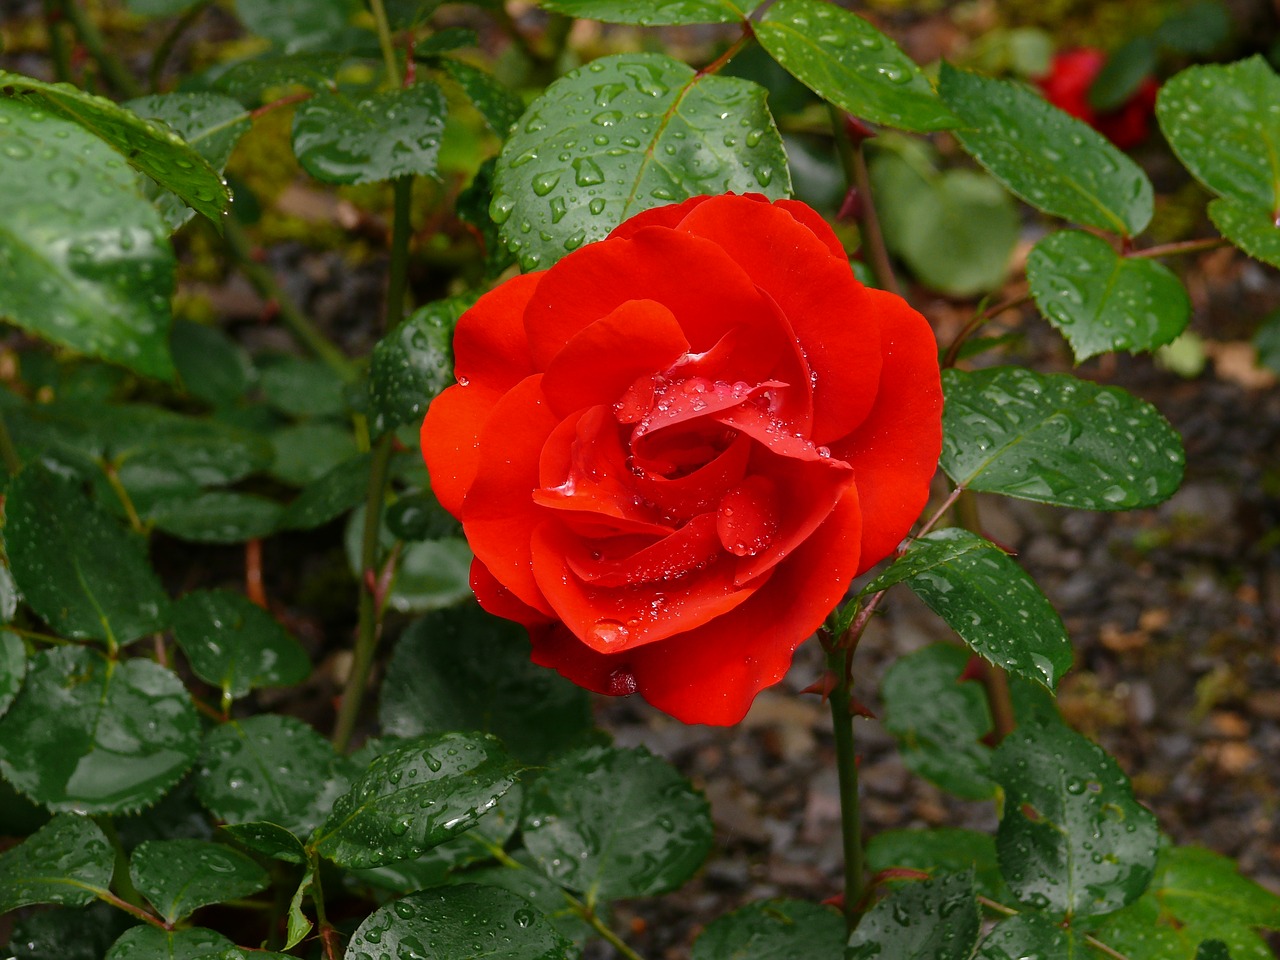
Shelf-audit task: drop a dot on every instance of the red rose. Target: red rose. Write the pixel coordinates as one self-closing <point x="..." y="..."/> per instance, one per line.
<point x="1067" y="85"/>
<point x="673" y="450"/>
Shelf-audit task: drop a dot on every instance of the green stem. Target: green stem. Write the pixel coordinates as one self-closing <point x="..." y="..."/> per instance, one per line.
<point x="165" y="48"/>
<point x="1182" y="246"/>
<point x="91" y="37"/>
<point x="120" y="875"/>
<point x="847" y="768"/>
<point x="8" y="452"/>
<point x="327" y="933"/>
<point x="599" y="926"/>
<point x="718" y="64"/>
<point x="58" y="51"/>
<point x="853" y="159"/>
<point x="133" y="911"/>
<point x="385" y="41"/>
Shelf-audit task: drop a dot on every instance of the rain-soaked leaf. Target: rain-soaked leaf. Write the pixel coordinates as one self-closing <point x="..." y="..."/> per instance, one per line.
<point x="611" y="823"/>
<point x="302" y="388"/>
<point x="305" y="452"/>
<point x="928" y="920"/>
<point x="1031" y="935"/>
<point x="655" y="13"/>
<point x="774" y="930"/>
<point x="234" y="644"/>
<point x="1053" y="161"/>
<point x="500" y="107"/>
<point x="329" y="496"/>
<point x="412" y="364"/>
<point x="68" y="933"/>
<point x="295" y="25"/>
<point x="463" y="669"/>
<point x="987" y="599"/>
<point x="431" y="576"/>
<point x="217" y="516"/>
<point x="419" y="516"/>
<point x="1252" y="228"/>
<point x="1101" y="301"/>
<point x="844" y="59"/>
<point x="620" y="135"/>
<point x="13" y="667"/>
<point x="342" y="138"/>
<point x="67" y="861"/>
<point x="938" y="721"/>
<point x="209" y="364"/>
<point x="249" y="81"/>
<point x="97" y="736"/>
<point x="1054" y="438"/>
<point x="940" y="849"/>
<point x="468" y="920"/>
<point x="145" y="942"/>
<point x="522" y="877"/>
<point x="1072" y="838"/>
<point x="84" y="259"/>
<point x="417" y="795"/>
<point x="270" y="767"/>
<point x="268" y="839"/>
<point x="180" y="876"/>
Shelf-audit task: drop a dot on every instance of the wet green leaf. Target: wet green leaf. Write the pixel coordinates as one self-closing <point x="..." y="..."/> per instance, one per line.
<point x="1251" y="228"/>
<point x="844" y="59"/>
<point x="648" y="13"/>
<point x="84" y="259"/>
<point x="500" y="107"/>
<point x="9" y="595"/>
<point x="545" y="895"/>
<point x="298" y="924"/>
<point x="431" y="576"/>
<point x="179" y="877"/>
<point x="302" y="388"/>
<point x="1101" y="301"/>
<point x="1197" y="30"/>
<point x="1031" y="935"/>
<point x="67" y="861"/>
<point x="218" y="516"/>
<point x="97" y="736"/>
<point x="150" y="147"/>
<point x="1222" y="122"/>
<point x="412" y="364"/>
<point x="234" y="644"/>
<point x="463" y="669"/>
<point x="1072" y="838"/>
<point x="620" y="135"/>
<point x="68" y="933"/>
<point x="305" y="452"/>
<point x="342" y="138"/>
<point x="987" y="599"/>
<point x="295" y="25"/>
<point x="209" y="365"/>
<point x="1123" y="73"/>
<point x="250" y="81"/>
<point x="945" y="849"/>
<point x="473" y="208"/>
<point x="469" y="920"/>
<point x="928" y="920"/>
<point x="268" y="839"/>
<point x="938" y="721"/>
<point x="1053" y="161"/>
<point x="153" y="943"/>
<point x="774" y="930"/>
<point x="419" y="516"/>
<point x="612" y="823"/>
<point x="329" y="496"/>
<point x="13" y="667"/>
<point x="76" y="566"/>
<point x="1056" y="439"/>
<point x="1213" y="950"/>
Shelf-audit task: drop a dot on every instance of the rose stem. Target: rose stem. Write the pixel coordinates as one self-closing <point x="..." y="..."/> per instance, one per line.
<point x="853" y="159"/>
<point x="838" y="658"/>
<point x="112" y="69"/>
<point x="57" y="42"/>
<point x="166" y="46"/>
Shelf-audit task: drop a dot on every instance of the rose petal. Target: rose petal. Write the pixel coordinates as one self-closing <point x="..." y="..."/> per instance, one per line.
<point x="810" y="218"/>
<point x="629" y="561"/>
<point x="699" y="491"/>
<point x="748" y="517"/>
<point x="668" y="215"/>
<point x="490" y="347"/>
<point x="450" y="439"/>
<point x="500" y="601"/>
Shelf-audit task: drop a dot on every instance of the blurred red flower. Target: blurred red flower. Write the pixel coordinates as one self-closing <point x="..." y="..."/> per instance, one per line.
<point x="1067" y="84"/>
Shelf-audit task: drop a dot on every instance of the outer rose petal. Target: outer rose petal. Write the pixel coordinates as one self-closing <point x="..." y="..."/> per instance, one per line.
<point x="669" y="215"/>
<point x="500" y="601"/>
<point x="489" y="343"/>
<point x="450" y="439"/>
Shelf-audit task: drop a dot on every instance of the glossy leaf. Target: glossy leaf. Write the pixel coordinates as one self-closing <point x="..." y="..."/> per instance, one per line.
<point x="1124" y="72"/>
<point x="469" y="920"/>
<point x="155" y="943"/>
<point x="299" y="24"/>
<point x="463" y="669"/>
<point x="268" y="839"/>
<point x="622" y="134"/>
<point x="1053" y="161"/>
<point x="928" y="920"/>
<point x="13" y="667"/>
<point x="180" y="876"/>
<point x="1031" y="935"/>
<point x="1101" y="301"/>
<point x="341" y="138"/>
<point x="500" y="107"/>
<point x="1056" y="439"/>
<point x="612" y="823"/>
<point x="84" y="259"/>
<point x="412" y="364"/>
<point x="774" y="930"/>
<point x="419" y="516"/>
<point x="1072" y="838"/>
<point x="941" y="849"/>
<point x="298" y="925"/>
<point x="1213" y="950"/>
<point x="270" y="767"/>
<point x="938" y="721"/>
<point x="9" y="595"/>
<point x="302" y="388"/>
<point x="150" y="147"/>
<point x="234" y="644"/>
<point x="96" y="736"/>
<point x="218" y="516"/>
<point x="250" y="81"/>
<point x="419" y="794"/>
<point x="308" y="451"/>
<point x="329" y="496"/>
<point x="648" y="13"/>
<point x="523" y="878"/>
<point x="68" y="933"/>
<point x="1251" y="228"/>
<point x="209" y="364"/>
<point x="67" y="861"/>
<point x="1222" y="122"/>
<point x="845" y="60"/>
<point x="987" y="599"/>
<point x="431" y="576"/>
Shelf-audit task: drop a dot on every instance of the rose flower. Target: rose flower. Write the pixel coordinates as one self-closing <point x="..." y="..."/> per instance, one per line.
<point x="673" y="450"/>
<point x="1067" y="84"/>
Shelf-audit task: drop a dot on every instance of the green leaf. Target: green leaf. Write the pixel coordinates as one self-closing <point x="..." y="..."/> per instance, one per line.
<point x="1213" y="950"/>
<point x="412" y="364"/>
<point x="1072" y="838"/>
<point x="419" y="516"/>
<point x="620" y="135"/>
<point x="268" y="839"/>
<point x="234" y="644"/>
<point x="303" y="388"/>
<point x="68" y="933"/>
<point x="1031" y="935"/>
<point x="419" y="794"/>
<point x="473" y="209"/>
<point x="13" y="667"/>
<point x="1197" y="30"/>
<point x="84" y="259"/>
<point x="405" y="14"/>
<point x="179" y="877"/>
<point x="76" y="566"/>
<point x="1123" y="73"/>
<point x="1053" y="161"/>
<point x="67" y="861"/>
<point x="152" y="148"/>
<point x="1251" y="228"/>
<point x="250" y="81"/>
<point x="463" y="669"/>
<point x="218" y="516"/>
<point x="298" y="924"/>
<point x="928" y="920"/>
<point x="844" y="59"/>
<point x="431" y="576"/>
<point x="1101" y="301"/>
<point x="500" y="107"/>
<point x="1056" y="439"/>
<point x="525" y="880"/>
<point x="773" y="930"/>
<point x="945" y="849"/>
<point x="938" y="721"/>
<point x="9" y="595"/>
<point x="210" y="124"/>
<point x="97" y="736"/>
<point x="209" y="365"/>
<point x="646" y="13"/>
<point x="329" y="496"/>
<point x="340" y="138"/>
<point x="987" y="599"/>
<point x="469" y="920"/>
<point x="305" y="452"/>
<point x="612" y="823"/>
<point x="1266" y="341"/>
<point x="299" y="24"/>
<point x="1221" y="122"/>
<point x="154" y="943"/>
<point x="270" y="767"/>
